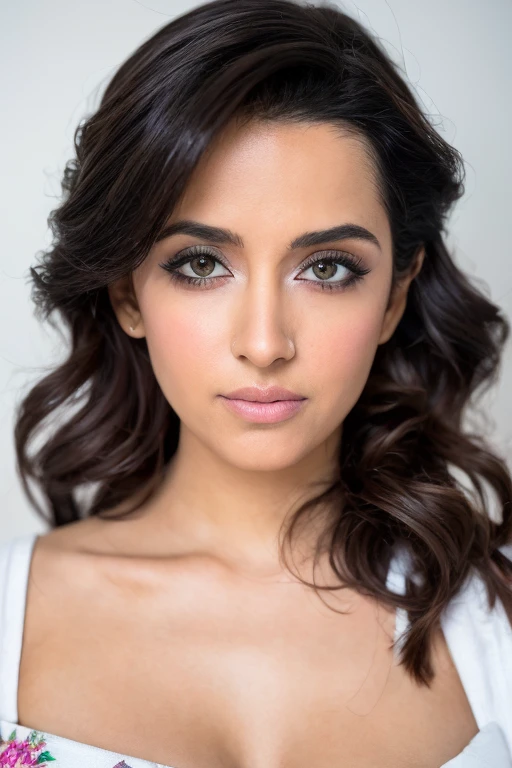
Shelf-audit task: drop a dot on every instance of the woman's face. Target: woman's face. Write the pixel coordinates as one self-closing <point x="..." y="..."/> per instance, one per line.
<point x="266" y="311"/>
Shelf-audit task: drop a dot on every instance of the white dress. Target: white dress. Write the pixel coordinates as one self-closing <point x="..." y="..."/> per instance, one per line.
<point x="479" y="641"/>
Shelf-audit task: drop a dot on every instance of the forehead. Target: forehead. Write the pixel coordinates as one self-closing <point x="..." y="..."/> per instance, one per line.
<point x="293" y="176"/>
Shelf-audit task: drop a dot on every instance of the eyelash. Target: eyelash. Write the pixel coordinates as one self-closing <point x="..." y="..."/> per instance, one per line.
<point x="328" y="257"/>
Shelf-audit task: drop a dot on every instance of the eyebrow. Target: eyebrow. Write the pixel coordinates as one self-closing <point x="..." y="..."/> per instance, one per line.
<point x="221" y="236"/>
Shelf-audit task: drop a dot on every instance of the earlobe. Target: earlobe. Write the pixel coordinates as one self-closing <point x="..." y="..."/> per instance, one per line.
<point x="125" y="306"/>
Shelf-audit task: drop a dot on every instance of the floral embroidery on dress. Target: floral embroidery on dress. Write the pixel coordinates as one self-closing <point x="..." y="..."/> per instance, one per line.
<point x="30" y="751"/>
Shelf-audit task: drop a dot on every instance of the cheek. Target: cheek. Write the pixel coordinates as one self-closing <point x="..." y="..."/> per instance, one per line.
<point x="183" y="346"/>
<point x="342" y="349"/>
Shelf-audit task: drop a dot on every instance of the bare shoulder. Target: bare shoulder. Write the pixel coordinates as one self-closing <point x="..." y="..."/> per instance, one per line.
<point x="78" y="536"/>
<point x="63" y="536"/>
<point x="70" y="559"/>
<point x="62" y="546"/>
<point x="92" y="536"/>
<point x="78" y="574"/>
<point x="112" y="557"/>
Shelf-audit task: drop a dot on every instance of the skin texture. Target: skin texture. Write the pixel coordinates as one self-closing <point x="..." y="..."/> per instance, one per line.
<point x="176" y="635"/>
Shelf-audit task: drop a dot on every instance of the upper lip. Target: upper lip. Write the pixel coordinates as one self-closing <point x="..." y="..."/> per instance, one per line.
<point x="259" y="395"/>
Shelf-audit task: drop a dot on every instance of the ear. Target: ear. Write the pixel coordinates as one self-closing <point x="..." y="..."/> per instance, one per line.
<point x="125" y="306"/>
<point x="398" y="301"/>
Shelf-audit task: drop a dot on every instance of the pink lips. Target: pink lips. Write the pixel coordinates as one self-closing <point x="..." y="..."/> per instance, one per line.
<point x="264" y="406"/>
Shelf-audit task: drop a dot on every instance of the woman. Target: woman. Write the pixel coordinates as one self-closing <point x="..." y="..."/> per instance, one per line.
<point x="270" y="355"/>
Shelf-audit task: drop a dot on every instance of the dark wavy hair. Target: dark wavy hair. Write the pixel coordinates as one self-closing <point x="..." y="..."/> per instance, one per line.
<point x="403" y="442"/>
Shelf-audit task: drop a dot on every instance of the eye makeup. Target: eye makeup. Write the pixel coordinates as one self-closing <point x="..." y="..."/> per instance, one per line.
<point x="202" y="254"/>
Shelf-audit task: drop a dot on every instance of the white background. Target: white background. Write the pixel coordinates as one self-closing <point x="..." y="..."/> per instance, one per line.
<point x="57" y="56"/>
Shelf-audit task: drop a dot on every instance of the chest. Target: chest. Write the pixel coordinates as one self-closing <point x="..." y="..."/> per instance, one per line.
<point x="205" y="674"/>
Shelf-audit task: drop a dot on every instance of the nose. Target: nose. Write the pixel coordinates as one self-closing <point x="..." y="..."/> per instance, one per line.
<point x="261" y="325"/>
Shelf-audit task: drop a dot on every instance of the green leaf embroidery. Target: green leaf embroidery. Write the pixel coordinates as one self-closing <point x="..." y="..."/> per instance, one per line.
<point x="34" y="739"/>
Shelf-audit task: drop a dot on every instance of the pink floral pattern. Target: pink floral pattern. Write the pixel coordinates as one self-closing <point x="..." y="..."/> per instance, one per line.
<point x="15" y="753"/>
<point x="30" y="751"/>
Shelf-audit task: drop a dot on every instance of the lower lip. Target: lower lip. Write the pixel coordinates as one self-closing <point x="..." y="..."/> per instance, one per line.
<point x="264" y="413"/>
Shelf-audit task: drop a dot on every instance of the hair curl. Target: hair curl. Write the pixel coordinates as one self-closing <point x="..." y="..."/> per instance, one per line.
<point x="278" y="60"/>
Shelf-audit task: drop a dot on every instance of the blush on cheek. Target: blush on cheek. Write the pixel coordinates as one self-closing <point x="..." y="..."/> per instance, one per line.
<point x="346" y="354"/>
<point x="352" y="339"/>
<point x="182" y="348"/>
<point x="360" y="339"/>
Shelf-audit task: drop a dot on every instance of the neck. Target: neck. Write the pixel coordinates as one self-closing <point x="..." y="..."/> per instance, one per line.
<point x="231" y="514"/>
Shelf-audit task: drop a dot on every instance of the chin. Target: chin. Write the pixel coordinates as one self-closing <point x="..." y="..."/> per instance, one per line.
<point x="266" y="457"/>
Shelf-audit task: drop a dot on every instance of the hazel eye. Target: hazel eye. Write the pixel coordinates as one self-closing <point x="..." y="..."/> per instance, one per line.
<point x="201" y="266"/>
<point x="325" y="269"/>
<point x="195" y="266"/>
